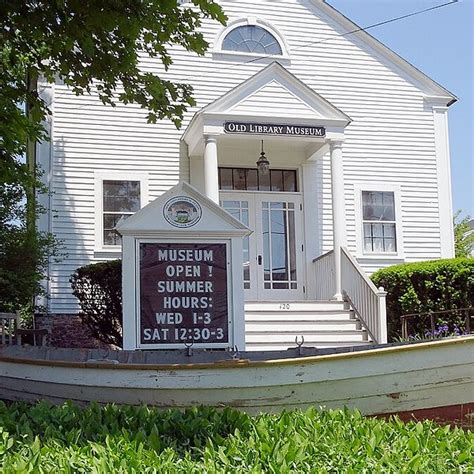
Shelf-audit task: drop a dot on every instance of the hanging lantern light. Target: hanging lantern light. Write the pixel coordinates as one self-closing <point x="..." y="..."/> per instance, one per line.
<point x="263" y="164"/>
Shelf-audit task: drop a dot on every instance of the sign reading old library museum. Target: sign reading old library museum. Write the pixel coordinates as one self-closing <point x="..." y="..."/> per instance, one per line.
<point x="183" y="293"/>
<point x="274" y="129"/>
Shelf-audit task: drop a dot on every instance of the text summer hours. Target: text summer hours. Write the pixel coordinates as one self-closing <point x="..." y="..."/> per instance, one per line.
<point x="187" y="271"/>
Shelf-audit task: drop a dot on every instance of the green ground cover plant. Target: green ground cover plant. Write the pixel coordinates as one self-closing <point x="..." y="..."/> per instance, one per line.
<point x="422" y="287"/>
<point x="42" y="438"/>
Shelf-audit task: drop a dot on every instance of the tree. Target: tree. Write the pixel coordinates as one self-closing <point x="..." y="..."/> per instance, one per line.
<point x="90" y="45"/>
<point x="463" y="235"/>
<point x="23" y="257"/>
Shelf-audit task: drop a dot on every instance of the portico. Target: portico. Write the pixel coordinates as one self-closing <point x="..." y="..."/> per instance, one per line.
<point x="300" y="131"/>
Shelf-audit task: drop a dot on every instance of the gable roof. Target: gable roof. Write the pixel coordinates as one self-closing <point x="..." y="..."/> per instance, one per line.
<point x="272" y="94"/>
<point x="150" y="219"/>
<point x="425" y="82"/>
<point x="276" y="74"/>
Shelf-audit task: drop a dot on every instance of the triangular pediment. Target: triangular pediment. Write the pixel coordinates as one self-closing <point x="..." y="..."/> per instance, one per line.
<point x="275" y="92"/>
<point x="199" y="215"/>
<point x="278" y="100"/>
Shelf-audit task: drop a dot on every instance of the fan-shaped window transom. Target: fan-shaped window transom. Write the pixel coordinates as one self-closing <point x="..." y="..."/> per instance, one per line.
<point x="251" y="39"/>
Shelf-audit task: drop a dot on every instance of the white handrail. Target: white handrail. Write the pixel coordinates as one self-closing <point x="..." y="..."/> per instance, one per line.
<point x="366" y="300"/>
<point x="325" y="277"/>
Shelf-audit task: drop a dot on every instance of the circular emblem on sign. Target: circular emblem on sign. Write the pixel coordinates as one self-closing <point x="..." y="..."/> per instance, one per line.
<point x="182" y="211"/>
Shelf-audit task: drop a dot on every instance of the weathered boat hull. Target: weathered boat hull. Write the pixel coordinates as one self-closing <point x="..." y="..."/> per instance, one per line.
<point x="400" y="379"/>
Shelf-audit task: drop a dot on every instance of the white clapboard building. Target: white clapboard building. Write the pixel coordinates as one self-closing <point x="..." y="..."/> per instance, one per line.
<point x="359" y="169"/>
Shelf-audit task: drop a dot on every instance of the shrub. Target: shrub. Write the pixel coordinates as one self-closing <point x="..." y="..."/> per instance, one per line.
<point x="98" y="287"/>
<point x="425" y="286"/>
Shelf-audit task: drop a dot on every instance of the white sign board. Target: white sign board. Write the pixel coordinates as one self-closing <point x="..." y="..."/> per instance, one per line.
<point x="182" y="274"/>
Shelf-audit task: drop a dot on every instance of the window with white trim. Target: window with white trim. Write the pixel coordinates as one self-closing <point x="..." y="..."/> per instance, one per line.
<point x="120" y="199"/>
<point x="251" y="39"/>
<point x="379" y="222"/>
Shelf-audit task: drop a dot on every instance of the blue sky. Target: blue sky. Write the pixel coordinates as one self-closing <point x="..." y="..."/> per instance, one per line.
<point x="440" y="43"/>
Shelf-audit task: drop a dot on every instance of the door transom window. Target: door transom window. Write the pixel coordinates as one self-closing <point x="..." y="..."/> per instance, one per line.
<point x="250" y="179"/>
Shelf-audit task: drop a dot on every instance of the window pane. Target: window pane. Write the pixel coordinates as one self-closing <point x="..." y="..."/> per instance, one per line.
<point x="239" y="179"/>
<point x="279" y="246"/>
<point x="377" y="230"/>
<point x="289" y="181"/>
<point x="121" y="204"/>
<point x="276" y="178"/>
<point x="266" y="244"/>
<point x="245" y="217"/>
<point x="231" y="204"/>
<point x="368" y="244"/>
<point x="234" y="213"/>
<point x="389" y="230"/>
<point x="390" y="245"/>
<point x="111" y="237"/>
<point x="120" y="196"/>
<point x="292" y="244"/>
<point x="377" y="244"/>
<point x="111" y="220"/>
<point x="264" y="182"/>
<point x="252" y="181"/>
<point x="225" y="175"/>
<point x="251" y="39"/>
<point x="378" y="206"/>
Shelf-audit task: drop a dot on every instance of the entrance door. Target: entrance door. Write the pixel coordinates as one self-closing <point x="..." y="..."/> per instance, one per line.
<point x="273" y="254"/>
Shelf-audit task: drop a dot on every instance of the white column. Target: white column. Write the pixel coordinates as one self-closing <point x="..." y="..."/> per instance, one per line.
<point x="211" y="179"/>
<point x="338" y="214"/>
<point x="312" y="222"/>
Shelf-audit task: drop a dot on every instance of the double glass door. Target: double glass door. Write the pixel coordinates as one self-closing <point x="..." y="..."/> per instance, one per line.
<point x="273" y="253"/>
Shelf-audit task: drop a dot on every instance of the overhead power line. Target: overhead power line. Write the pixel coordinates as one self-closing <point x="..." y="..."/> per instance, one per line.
<point x="329" y="38"/>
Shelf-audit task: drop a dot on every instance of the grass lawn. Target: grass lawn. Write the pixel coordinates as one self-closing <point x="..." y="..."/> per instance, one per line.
<point x="43" y="438"/>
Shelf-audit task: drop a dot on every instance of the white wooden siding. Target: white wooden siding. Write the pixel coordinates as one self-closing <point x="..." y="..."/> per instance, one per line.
<point x="391" y="138"/>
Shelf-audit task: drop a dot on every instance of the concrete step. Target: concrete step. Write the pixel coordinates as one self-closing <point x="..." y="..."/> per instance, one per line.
<point x="290" y="306"/>
<point x="291" y="316"/>
<point x="271" y="325"/>
<point x="334" y="325"/>
<point x="310" y="337"/>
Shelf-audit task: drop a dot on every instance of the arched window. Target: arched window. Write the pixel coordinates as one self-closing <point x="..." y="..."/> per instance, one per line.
<point x="251" y="39"/>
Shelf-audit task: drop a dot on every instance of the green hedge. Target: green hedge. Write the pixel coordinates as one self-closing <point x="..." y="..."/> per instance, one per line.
<point x="43" y="438"/>
<point x="425" y="286"/>
<point x="98" y="288"/>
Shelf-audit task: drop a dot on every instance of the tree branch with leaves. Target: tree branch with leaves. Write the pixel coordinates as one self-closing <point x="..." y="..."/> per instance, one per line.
<point x="90" y="46"/>
<point x="463" y="235"/>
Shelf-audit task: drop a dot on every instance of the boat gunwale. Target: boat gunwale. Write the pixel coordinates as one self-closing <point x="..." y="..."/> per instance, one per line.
<point x="236" y="363"/>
